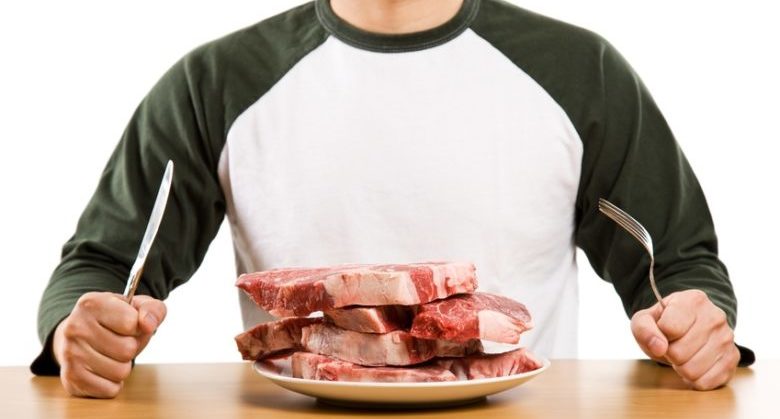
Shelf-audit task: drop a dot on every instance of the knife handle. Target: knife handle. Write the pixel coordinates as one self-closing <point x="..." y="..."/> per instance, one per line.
<point x="132" y="283"/>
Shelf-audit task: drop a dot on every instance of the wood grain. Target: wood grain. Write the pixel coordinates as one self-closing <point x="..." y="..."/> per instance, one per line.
<point x="569" y="389"/>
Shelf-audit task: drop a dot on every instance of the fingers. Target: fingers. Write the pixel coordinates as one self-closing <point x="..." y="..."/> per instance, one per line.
<point x="111" y="311"/>
<point x="96" y="343"/>
<point x="709" y="360"/>
<point x="104" y="339"/>
<point x="678" y="317"/>
<point x="699" y="344"/>
<point x="143" y="316"/>
<point x="117" y="347"/>
<point x="682" y="350"/>
<point x="709" y="331"/>
<point x="82" y="352"/>
<point x="701" y="362"/>
<point x="79" y="381"/>
<point x="647" y="333"/>
<point x="151" y="313"/>
<point x="720" y="373"/>
<point x="85" y="372"/>
<point x="106" y="367"/>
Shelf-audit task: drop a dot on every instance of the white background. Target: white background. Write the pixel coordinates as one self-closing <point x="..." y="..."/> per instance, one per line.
<point x="71" y="74"/>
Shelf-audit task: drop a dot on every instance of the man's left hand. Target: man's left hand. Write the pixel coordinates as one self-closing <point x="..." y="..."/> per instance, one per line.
<point x="692" y="335"/>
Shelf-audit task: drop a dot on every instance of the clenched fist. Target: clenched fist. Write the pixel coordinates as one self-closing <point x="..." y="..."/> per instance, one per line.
<point x="692" y="335"/>
<point x="97" y="342"/>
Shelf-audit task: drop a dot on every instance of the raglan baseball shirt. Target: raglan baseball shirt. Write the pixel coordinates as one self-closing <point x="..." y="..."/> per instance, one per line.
<point x="489" y="139"/>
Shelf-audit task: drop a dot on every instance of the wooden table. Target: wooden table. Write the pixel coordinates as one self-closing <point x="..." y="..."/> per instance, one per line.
<point x="569" y="389"/>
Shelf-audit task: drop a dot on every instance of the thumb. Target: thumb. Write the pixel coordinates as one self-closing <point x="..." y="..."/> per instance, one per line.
<point x="644" y="326"/>
<point x="151" y="313"/>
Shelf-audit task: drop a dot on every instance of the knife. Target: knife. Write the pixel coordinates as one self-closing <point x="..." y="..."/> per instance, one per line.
<point x="151" y="231"/>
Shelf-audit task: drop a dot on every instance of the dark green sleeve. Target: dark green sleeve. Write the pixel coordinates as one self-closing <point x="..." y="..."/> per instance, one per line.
<point x="170" y="123"/>
<point x="186" y="118"/>
<point x="632" y="159"/>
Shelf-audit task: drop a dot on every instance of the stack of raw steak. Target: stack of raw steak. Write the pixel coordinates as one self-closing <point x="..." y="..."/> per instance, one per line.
<point x="385" y="323"/>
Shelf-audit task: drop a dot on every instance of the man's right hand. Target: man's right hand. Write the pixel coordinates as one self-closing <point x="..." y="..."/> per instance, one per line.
<point x="96" y="343"/>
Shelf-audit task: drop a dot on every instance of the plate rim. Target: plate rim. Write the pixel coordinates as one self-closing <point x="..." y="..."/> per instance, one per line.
<point x="370" y="384"/>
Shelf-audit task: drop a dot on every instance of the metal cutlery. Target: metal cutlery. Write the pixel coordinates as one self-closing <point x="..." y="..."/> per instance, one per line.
<point x="151" y="231"/>
<point x="636" y="230"/>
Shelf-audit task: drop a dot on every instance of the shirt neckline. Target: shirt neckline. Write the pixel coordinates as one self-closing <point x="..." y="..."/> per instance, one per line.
<point x="406" y="42"/>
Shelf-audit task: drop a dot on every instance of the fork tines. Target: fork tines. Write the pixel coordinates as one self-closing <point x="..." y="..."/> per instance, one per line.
<point x="627" y="222"/>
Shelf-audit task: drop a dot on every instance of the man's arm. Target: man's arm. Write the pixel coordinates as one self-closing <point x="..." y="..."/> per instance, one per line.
<point x="629" y="157"/>
<point x="632" y="159"/>
<point x="170" y="123"/>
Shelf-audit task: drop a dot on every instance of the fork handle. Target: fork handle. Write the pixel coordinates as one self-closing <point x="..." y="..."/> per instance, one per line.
<point x="653" y="286"/>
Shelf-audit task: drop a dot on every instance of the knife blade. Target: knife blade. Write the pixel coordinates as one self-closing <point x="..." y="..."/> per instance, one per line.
<point x="151" y="232"/>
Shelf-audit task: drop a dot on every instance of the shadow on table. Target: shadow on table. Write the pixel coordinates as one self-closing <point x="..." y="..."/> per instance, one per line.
<point x="659" y="386"/>
<point x="650" y="374"/>
<point x="292" y="402"/>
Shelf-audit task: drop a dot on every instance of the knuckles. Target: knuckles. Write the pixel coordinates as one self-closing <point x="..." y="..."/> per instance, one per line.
<point x="127" y="349"/>
<point x="719" y="318"/>
<point x="78" y="382"/>
<point x="73" y="330"/>
<point x="675" y="326"/>
<point x="716" y="381"/>
<point x="717" y="377"/>
<point x="94" y="305"/>
<point x="677" y="354"/>
<point x="71" y="378"/>
<point x="89" y="302"/>
<point x="693" y="311"/>
<point x="118" y="372"/>
<point x="70" y="355"/>
<point x="128" y="325"/>
<point x="78" y="330"/>
<point x="71" y="383"/>
<point x="704" y="385"/>
<point x="641" y="328"/>
<point x="727" y="337"/>
<point x="69" y="351"/>
<point x="697" y="297"/>
<point x="689" y="372"/>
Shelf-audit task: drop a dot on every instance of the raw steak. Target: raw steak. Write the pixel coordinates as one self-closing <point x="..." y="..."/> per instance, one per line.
<point x="320" y="367"/>
<point x="490" y="365"/>
<point x="268" y="338"/>
<point x="394" y="348"/>
<point x="380" y="319"/>
<point x="472" y="316"/>
<point x="300" y="291"/>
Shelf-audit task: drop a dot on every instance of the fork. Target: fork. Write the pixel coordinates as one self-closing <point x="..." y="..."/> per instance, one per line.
<point x="635" y="229"/>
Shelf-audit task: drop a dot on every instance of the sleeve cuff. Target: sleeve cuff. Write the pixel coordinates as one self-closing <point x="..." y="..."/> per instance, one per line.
<point x="45" y="363"/>
<point x="746" y="356"/>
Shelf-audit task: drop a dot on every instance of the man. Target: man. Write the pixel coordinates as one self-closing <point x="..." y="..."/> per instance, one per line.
<point x="399" y="131"/>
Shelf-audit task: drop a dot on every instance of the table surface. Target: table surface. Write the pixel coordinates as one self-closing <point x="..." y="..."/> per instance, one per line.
<point x="568" y="389"/>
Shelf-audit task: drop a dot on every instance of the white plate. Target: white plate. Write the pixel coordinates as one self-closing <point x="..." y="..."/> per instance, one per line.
<point x="392" y="394"/>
